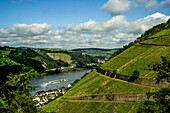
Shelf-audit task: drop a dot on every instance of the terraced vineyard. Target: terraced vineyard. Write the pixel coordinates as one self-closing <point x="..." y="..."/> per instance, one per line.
<point x="98" y="84"/>
<point x="137" y="57"/>
<point x="159" y="41"/>
<point x="165" y="32"/>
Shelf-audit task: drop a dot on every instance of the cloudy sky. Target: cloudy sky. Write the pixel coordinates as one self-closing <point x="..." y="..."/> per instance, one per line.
<point x="72" y="24"/>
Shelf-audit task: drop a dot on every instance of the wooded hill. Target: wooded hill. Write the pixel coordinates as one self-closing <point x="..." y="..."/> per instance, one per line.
<point x="126" y="81"/>
<point x="26" y="59"/>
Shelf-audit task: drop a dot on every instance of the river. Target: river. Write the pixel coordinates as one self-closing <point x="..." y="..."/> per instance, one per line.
<point x="70" y="77"/>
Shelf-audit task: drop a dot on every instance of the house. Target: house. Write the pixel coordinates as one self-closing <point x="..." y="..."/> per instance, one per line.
<point x="36" y="99"/>
<point x="62" y="90"/>
<point x="69" y="86"/>
<point x="101" y="61"/>
<point x="40" y="93"/>
<point x="48" y="92"/>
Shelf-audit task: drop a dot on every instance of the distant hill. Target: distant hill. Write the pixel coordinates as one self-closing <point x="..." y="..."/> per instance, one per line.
<point x="121" y="84"/>
<point x="92" y="49"/>
<point x="42" y="59"/>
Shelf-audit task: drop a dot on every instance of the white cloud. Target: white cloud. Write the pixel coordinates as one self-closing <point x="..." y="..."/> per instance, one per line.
<point x="116" y="7"/>
<point x="110" y="25"/>
<point x="29" y="29"/>
<point x="112" y="33"/>
<point x="143" y="24"/>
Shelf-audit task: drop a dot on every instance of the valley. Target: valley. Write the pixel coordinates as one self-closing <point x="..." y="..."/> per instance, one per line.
<point x="121" y="80"/>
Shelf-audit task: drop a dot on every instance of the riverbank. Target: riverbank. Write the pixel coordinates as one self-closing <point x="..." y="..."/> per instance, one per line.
<point x="58" y="85"/>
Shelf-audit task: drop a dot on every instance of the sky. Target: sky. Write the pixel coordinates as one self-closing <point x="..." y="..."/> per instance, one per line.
<point x="70" y="24"/>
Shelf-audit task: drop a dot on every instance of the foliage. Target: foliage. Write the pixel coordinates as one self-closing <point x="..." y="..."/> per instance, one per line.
<point x="134" y="76"/>
<point x="81" y="60"/>
<point x="77" y="58"/>
<point x="3" y="104"/>
<point x="163" y="69"/>
<point x="26" y="57"/>
<point x="5" y="60"/>
<point x="162" y="104"/>
<point x="15" y="94"/>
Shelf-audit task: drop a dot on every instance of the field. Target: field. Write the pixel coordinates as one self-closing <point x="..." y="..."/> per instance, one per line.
<point x="65" y="106"/>
<point x="95" y="83"/>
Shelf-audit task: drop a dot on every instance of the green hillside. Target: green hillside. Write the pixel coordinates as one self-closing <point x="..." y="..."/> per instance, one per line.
<point x="96" y="92"/>
<point x="62" y="56"/>
<point x="145" y="51"/>
<point x="137" y="57"/>
<point x="98" y="84"/>
<point x="42" y="59"/>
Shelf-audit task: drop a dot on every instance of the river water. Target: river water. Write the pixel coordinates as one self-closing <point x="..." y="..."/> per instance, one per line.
<point x="70" y="76"/>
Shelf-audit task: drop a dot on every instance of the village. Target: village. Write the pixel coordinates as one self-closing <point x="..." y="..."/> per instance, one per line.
<point x="43" y="97"/>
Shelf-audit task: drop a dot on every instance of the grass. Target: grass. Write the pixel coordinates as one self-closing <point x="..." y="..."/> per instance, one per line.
<point x="162" y="40"/>
<point x="124" y="57"/>
<point x="162" y="33"/>
<point x="70" y="106"/>
<point x="137" y="57"/>
<point x="61" y="56"/>
<point x="95" y="83"/>
<point x="148" y="58"/>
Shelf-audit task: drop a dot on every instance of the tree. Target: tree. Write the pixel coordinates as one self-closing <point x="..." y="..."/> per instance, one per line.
<point x="162" y="100"/>
<point x="161" y="104"/>
<point x="163" y="69"/>
<point x="134" y="76"/>
<point x="3" y="104"/>
<point x="14" y="94"/>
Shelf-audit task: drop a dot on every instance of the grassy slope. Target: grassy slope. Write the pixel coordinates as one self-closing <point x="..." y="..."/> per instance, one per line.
<point x="95" y="83"/>
<point x="165" y="32"/>
<point x="139" y="56"/>
<point x="160" y="38"/>
<point x="68" y="106"/>
<point x="61" y="56"/>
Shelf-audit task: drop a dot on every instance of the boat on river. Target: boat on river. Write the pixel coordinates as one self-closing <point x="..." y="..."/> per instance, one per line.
<point x="53" y="82"/>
